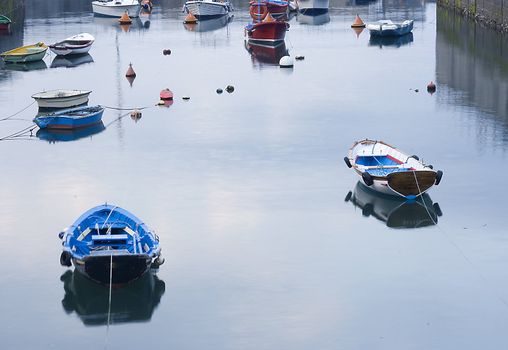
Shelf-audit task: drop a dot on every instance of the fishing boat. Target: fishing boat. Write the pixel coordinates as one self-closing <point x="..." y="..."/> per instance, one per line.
<point x="68" y="135"/>
<point x="28" y="53"/>
<point x="395" y="212"/>
<point x="277" y="8"/>
<point x="313" y="7"/>
<point x="388" y="170"/>
<point x="75" y="45"/>
<point x="111" y="246"/>
<point x="5" y="22"/>
<point x="266" y="31"/>
<point x="205" y="9"/>
<point x="61" y="98"/>
<point x="70" y="118"/>
<point x="116" y="8"/>
<point x="388" y="28"/>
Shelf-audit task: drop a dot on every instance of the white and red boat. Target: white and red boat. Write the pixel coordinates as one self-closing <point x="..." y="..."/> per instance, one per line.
<point x="264" y="28"/>
<point x="277" y="8"/>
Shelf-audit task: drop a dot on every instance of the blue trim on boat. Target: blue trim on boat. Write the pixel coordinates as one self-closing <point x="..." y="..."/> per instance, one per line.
<point x="376" y="161"/>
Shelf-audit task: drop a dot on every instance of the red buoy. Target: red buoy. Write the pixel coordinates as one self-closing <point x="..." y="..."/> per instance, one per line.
<point x="431" y="88"/>
<point x="130" y="72"/>
<point x="166" y="95"/>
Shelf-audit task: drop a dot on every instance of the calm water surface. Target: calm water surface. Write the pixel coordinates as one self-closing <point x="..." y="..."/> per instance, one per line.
<point x="247" y="190"/>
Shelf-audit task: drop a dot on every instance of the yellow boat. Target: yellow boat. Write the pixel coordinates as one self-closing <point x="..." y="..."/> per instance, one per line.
<point x="29" y="53"/>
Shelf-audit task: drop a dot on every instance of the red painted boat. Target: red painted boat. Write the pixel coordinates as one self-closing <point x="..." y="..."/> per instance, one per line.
<point x="166" y="94"/>
<point x="277" y="8"/>
<point x="267" y="31"/>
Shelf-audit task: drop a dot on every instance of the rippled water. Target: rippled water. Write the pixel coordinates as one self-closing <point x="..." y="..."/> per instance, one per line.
<point x="247" y="190"/>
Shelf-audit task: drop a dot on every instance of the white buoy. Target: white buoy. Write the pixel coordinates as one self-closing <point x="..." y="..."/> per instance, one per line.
<point x="286" y="62"/>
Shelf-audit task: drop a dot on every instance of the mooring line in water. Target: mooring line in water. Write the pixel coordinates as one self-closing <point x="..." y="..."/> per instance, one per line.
<point x="126" y="109"/>
<point x="12" y="115"/>
<point x="20" y="133"/>
<point x="109" y="298"/>
<point x="461" y="252"/>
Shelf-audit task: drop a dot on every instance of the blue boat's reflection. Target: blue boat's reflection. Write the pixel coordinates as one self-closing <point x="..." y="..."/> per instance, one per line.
<point x="207" y="25"/>
<point x="53" y="136"/>
<point x="393" y="41"/>
<point x="266" y="53"/>
<point x="135" y="302"/>
<point x="25" y="67"/>
<point x="71" y="61"/>
<point x="395" y="212"/>
<point x="314" y="19"/>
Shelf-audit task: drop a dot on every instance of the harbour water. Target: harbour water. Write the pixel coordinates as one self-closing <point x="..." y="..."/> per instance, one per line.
<point x="268" y="239"/>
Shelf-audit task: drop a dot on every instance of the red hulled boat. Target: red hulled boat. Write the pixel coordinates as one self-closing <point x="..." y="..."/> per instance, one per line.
<point x="264" y="28"/>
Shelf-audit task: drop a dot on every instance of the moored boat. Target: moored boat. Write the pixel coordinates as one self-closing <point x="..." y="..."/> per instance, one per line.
<point x="70" y="118"/>
<point x="5" y="22"/>
<point x="116" y="8"/>
<point x="74" y="45"/>
<point x="205" y="9"/>
<point x="386" y="169"/>
<point x="389" y="28"/>
<point x="61" y="98"/>
<point x="110" y="245"/>
<point x="313" y="7"/>
<point x="277" y="8"/>
<point x="28" y="53"/>
<point x="268" y="32"/>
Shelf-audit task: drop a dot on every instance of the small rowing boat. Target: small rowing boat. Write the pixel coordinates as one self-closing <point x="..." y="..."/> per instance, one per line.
<point x="74" y="45"/>
<point x="70" y="118"/>
<point x="207" y="9"/>
<point x="116" y="8"/>
<point x="109" y="245"/>
<point x="61" y="98"/>
<point x="388" y="28"/>
<point x="28" y="53"/>
<point x="386" y="169"/>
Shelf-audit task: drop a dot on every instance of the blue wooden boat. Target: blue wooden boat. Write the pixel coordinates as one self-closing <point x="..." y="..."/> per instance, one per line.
<point x="389" y="28"/>
<point x="70" y="118"/>
<point x="110" y="245"/>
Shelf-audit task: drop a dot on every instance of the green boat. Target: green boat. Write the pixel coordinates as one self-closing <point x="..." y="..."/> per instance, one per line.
<point x="29" y="53"/>
<point x="4" y="22"/>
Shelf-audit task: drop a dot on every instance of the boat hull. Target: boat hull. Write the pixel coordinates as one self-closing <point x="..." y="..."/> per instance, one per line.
<point x="100" y="9"/>
<point x="277" y="9"/>
<point x="4" y="26"/>
<point x="65" y="122"/>
<point x="69" y="51"/>
<point x="30" y="57"/>
<point x="63" y="102"/>
<point x="126" y="268"/>
<point x="390" y="30"/>
<point x="267" y="32"/>
<point x="206" y="10"/>
<point x="313" y="7"/>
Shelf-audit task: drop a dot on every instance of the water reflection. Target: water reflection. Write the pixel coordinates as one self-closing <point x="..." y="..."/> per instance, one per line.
<point x="208" y="25"/>
<point x="71" y="61"/>
<point x="138" y="23"/>
<point x="135" y="302"/>
<point x="28" y="66"/>
<point x="394" y="211"/>
<point x="270" y="54"/>
<point x="392" y="41"/>
<point x="314" y="19"/>
<point x="53" y="136"/>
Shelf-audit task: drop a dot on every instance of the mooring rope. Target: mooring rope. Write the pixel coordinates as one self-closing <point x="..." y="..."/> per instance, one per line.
<point x="20" y="133"/>
<point x="109" y="298"/>
<point x="13" y="115"/>
<point x="126" y="109"/>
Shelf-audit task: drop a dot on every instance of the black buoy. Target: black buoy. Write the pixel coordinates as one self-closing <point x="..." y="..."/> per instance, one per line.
<point x="439" y="176"/>
<point x="367" y="179"/>
<point x="348" y="163"/>
<point x="348" y="196"/>
<point x="230" y="88"/>
<point x="166" y="52"/>
<point x="219" y="91"/>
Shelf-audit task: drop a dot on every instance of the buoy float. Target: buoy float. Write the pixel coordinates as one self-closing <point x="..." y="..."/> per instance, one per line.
<point x="431" y="88"/>
<point x="125" y="19"/>
<point x="166" y="52"/>
<point x="230" y="89"/>
<point x="358" y="31"/>
<point x="166" y="94"/>
<point x="186" y="98"/>
<point x="130" y="72"/>
<point x="219" y="91"/>
<point x="136" y="114"/>
<point x="130" y="80"/>
<point x="299" y="58"/>
<point x="358" y="23"/>
<point x="190" y="19"/>
<point x="286" y="62"/>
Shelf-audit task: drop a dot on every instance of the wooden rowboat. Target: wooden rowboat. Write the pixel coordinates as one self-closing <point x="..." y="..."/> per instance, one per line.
<point x="75" y="45"/>
<point x="386" y="169"/>
<point x="28" y="53"/>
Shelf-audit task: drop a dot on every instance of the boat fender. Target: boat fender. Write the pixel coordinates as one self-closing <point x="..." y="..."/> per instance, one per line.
<point x="65" y="258"/>
<point x="367" y="179"/>
<point x="367" y="210"/>
<point x="437" y="209"/>
<point x="160" y="260"/>
<point x="348" y="196"/>
<point x="415" y="157"/>
<point x="348" y="163"/>
<point x="439" y="175"/>
<point x="430" y="166"/>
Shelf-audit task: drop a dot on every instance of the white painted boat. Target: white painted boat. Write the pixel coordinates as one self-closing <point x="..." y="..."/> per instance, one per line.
<point x="116" y="8"/>
<point x="388" y="28"/>
<point x="313" y="6"/>
<point x="313" y="20"/>
<point x="204" y="9"/>
<point x="75" y="45"/>
<point x="61" y="98"/>
<point x="386" y="169"/>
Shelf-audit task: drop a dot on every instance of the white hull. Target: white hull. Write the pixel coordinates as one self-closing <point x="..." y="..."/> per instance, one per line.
<point x="65" y="52"/>
<point x="304" y="5"/>
<point x="111" y="10"/>
<point x="69" y="99"/>
<point x="205" y="9"/>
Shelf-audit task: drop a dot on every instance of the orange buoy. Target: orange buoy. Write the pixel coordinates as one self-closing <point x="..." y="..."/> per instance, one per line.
<point x="130" y="72"/>
<point x="358" y="23"/>
<point x="125" y="19"/>
<point x="431" y="88"/>
<point x="190" y="19"/>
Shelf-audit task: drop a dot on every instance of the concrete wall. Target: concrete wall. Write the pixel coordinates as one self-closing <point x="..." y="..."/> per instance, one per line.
<point x="493" y="13"/>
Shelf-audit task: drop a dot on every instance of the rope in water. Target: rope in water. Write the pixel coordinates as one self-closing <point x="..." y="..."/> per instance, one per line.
<point x="13" y="115"/>
<point x="109" y="299"/>
<point x="21" y="133"/>
<point x="452" y="243"/>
